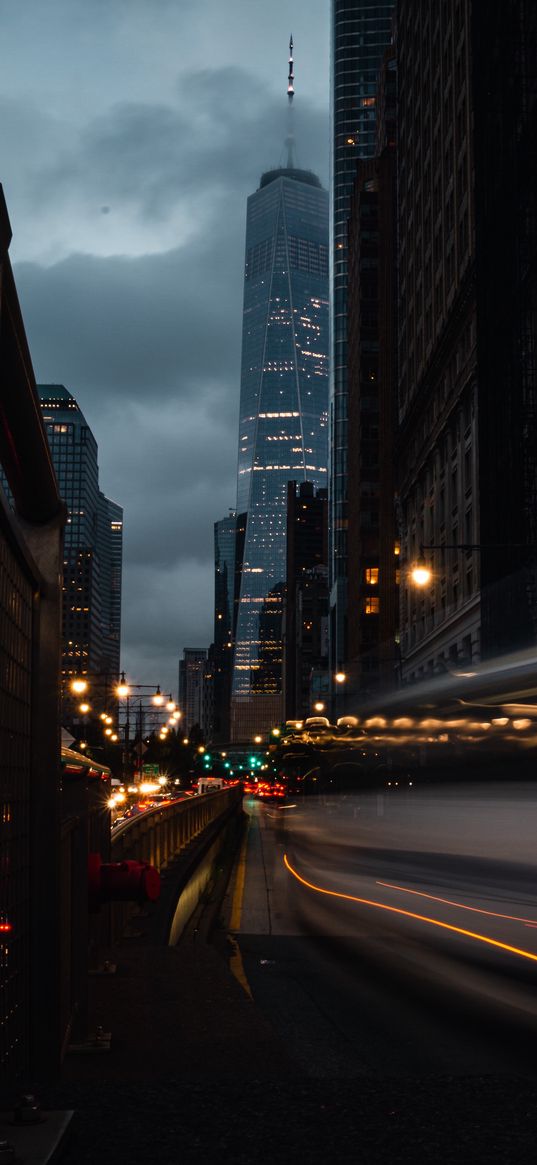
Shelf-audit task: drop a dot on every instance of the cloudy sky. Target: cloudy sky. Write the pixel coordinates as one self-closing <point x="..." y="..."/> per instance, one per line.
<point x="131" y="133"/>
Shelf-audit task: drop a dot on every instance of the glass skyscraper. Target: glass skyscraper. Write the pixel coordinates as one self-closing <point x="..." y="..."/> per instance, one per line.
<point x="93" y="541"/>
<point x="283" y="418"/>
<point x="361" y="31"/>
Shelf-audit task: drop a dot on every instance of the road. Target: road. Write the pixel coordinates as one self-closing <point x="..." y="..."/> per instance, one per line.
<point x="393" y="933"/>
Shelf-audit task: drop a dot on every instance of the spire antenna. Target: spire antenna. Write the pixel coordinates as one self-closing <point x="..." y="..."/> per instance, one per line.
<point x="290" y="139"/>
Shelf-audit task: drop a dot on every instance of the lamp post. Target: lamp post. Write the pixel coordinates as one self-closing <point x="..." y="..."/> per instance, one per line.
<point x="340" y="679"/>
<point x="421" y="574"/>
<point x="158" y="700"/>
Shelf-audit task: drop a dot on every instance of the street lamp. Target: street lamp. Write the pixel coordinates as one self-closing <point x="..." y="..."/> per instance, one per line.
<point x="421" y="574"/>
<point x="340" y="677"/>
<point x="319" y="706"/>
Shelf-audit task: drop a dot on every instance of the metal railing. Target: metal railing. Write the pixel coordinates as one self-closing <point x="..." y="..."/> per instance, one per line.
<point x="159" y="835"/>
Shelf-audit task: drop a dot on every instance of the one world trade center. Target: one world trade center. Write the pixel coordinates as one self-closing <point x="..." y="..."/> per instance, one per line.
<point x="283" y="416"/>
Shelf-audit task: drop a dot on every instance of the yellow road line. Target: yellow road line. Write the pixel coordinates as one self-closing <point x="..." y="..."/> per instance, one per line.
<point x="482" y="938"/>
<point x="236" y="965"/>
<point x="238" y="892"/>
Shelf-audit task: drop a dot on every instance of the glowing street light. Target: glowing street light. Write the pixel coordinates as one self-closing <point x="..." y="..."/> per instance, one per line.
<point x="79" y="687"/>
<point x="421" y="574"/>
<point x="319" y="706"/>
<point x="257" y="739"/>
<point x="84" y="708"/>
<point x="276" y="732"/>
<point x="340" y="677"/>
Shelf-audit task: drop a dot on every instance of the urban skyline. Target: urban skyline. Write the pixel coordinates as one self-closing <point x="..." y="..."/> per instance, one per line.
<point x="117" y="190"/>
<point x="310" y="888"/>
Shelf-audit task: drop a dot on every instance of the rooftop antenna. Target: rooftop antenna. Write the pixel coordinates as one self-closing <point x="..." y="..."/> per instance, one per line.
<point x="290" y="139"/>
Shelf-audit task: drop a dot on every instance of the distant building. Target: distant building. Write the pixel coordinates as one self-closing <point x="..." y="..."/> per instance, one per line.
<point x="91" y="616"/>
<point x="305" y="623"/>
<point x="110" y="546"/>
<point x="361" y="31"/>
<point x="227" y="563"/>
<point x="283" y="418"/>
<point x="192" y="688"/>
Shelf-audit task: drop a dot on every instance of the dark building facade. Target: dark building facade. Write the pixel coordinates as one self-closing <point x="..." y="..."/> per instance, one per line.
<point x="91" y="617"/>
<point x="504" y="74"/>
<point x="361" y="31"/>
<point x="305" y="635"/>
<point x="35" y="881"/>
<point x="283" y="419"/>
<point x="373" y="564"/>
<point x="110" y="550"/>
<point x="225" y="607"/>
<point x="438" y="439"/>
<point x="193" y="700"/>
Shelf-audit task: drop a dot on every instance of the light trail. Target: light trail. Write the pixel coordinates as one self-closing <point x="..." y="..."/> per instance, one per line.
<point x="459" y="905"/>
<point x="482" y="938"/>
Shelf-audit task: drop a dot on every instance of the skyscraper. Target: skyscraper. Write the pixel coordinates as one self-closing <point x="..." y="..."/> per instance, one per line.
<point x="306" y="596"/>
<point x="283" y="415"/>
<point x="361" y="31"/>
<point x="467" y="373"/>
<point x="225" y="557"/>
<point x="93" y="541"/>
<point x="372" y="655"/>
<point x="192" y="670"/>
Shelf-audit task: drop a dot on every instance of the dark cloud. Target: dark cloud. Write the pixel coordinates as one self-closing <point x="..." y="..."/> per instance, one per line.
<point x="141" y="316"/>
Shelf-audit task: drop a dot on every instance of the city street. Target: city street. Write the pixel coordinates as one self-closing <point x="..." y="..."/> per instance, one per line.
<point x="393" y="933"/>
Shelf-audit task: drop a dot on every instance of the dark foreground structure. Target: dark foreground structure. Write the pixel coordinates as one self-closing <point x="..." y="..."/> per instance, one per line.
<point x="30" y="603"/>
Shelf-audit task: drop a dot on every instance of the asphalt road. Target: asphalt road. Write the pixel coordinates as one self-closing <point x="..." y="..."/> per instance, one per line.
<point x="395" y="933"/>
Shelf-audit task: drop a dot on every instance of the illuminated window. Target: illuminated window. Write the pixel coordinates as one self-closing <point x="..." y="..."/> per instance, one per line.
<point x="372" y="575"/>
<point x="371" y="605"/>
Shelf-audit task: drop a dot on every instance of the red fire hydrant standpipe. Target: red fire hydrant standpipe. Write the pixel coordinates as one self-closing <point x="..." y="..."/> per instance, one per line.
<point x="128" y="881"/>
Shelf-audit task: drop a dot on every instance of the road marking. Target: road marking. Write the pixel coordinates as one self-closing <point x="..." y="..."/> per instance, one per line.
<point x="459" y="905"/>
<point x="408" y="914"/>
<point x="236" y="964"/>
<point x="238" y="893"/>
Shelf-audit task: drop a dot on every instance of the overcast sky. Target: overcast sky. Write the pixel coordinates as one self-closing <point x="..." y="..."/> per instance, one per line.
<point x="131" y="133"/>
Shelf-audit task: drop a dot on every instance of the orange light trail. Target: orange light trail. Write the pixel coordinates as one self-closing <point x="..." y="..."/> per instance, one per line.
<point x="459" y="905"/>
<point x="482" y="938"/>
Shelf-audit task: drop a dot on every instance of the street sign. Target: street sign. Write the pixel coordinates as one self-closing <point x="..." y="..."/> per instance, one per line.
<point x="150" y="770"/>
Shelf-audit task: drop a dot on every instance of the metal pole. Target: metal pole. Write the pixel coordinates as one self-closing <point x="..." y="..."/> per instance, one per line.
<point x="126" y="773"/>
